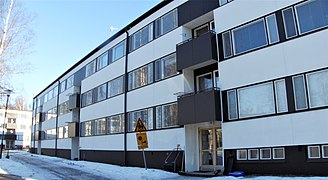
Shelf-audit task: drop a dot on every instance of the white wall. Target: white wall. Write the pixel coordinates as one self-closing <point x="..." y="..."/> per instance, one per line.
<point x="165" y="139"/>
<point x="155" y="94"/>
<point x="292" y="129"/>
<point x="64" y="143"/>
<point x="111" y="106"/>
<point x="105" y="142"/>
<point x="48" y="144"/>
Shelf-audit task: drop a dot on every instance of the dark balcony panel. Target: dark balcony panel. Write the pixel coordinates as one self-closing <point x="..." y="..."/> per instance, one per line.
<point x="74" y="101"/>
<point x="10" y="137"/>
<point x="200" y="107"/>
<point x="193" y="9"/>
<point x="197" y="51"/>
<point x="73" y="129"/>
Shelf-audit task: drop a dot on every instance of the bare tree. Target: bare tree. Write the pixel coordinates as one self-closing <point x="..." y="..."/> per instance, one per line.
<point x="20" y="103"/>
<point x="15" y="38"/>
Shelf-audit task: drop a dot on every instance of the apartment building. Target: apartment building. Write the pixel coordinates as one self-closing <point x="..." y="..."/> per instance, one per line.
<point x="17" y="128"/>
<point x="236" y="85"/>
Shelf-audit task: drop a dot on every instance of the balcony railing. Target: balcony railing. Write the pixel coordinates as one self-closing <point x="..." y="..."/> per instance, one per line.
<point x="202" y="106"/>
<point x="197" y="51"/>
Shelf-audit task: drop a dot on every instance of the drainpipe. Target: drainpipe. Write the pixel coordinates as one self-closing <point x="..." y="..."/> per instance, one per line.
<point x="125" y="96"/>
<point x="57" y="111"/>
<point x="33" y="132"/>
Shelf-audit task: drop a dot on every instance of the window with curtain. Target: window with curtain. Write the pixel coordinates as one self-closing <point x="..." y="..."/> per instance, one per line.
<point x="256" y="100"/>
<point x="115" y="124"/>
<point x="146" y="116"/>
<point x="102" y="61"/>
<point x="101" y="92"/>
<point x="100" y="125"/>
<point x="116" y="86"/>
<point x="141" y="76"/>
<point x="299" y="92"/>
<point x="312" y="15"/>
<point x="249" y="36"/>
<point x="118" y="51"/>
<point x="317" y="83"/>
<point x="90" y="68"/>
<point x="165" y="67"/>
<point x="166" y="116"/>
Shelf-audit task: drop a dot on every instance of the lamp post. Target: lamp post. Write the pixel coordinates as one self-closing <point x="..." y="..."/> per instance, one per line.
<point x="7" y="91"/>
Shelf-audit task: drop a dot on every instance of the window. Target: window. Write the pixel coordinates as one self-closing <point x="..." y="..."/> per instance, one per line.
<point x="166" y="116"/>
<point x="265" y="153"/>
<point x="166" y="23"/>
<point x="250" y="36"/>
<point x="100" y="125"/>
<point x="55" y="91"/>
<point x="50" y="94"/>
<point x="281" y="96"/>
<point x="289" y="22"/>
<point x="253" y="154"/>
<point x="116" y="86"/>
<point x="201" y="30"/>
<point x="118" y="51"/>
<point x="146" y="115"/>
<point x="317" y="84"/>
<point x="51" y="113"/>
<point x="223" y="2"/>
<point x="101" y="92"/>
<point x="204" y="82"/>
<point x="227" y="46"/>
<point x="165" y="67"/>
<point x="324" y="151"/>
<point x="63" y="108"/>
<point x="141" y="37"/>
<point x="102" y="61"/>
<point x="69" y="82"/>
<point x="51" y="134"/>
<point x="63" y="86"/>
<point x="278" y="153"/>
<point x="61" y="132"/>
<point x="65" y="131"/>
<point x="232" y="105"/>
<point x="241" y="154"/>
<point x="272" y="28"/>
<point x="313" y="152"/>
<point x="141" y="77"/>
<point x="87" y="98"/>
<point x="299" y="92"/>
<point x="87" y="128"/>
<point x="115" y="124"/>
<point x="12" y="120"/>
<point x="312" y="15"/>
<point x="90" y="68"/>
<point x="256" y="100"/>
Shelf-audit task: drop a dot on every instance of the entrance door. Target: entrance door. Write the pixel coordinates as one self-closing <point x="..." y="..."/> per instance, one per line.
<point x="210" y="149"/>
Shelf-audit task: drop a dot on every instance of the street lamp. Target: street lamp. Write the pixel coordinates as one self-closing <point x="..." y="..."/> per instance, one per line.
<point x="7" y="92"/>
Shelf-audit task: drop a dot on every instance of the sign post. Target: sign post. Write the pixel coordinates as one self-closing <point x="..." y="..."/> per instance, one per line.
<point x="141" y="139"/>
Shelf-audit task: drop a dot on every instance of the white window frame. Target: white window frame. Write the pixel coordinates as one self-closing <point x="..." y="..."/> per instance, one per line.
<point x="276" y="96"/>
<point x="304" y="86"/>
<point x="296" y="14"/>
<point x="197" y="79"/>
<point x="308" y="87"/>
<point x="231" y="44"/>
<point x="309" y="152"/>
<point x="237" y="114"/>
<point x="261" y="154"/>
<point x="248" y="24"/>
<point x="238" y="152"/>
<point x="274" y="150"/>
<point x="295" y="23"/>
<point x="268" y="30"/>
<point x="249" y="154"/>
<point x="322" y="149"/>
<point x="200" y="27"/>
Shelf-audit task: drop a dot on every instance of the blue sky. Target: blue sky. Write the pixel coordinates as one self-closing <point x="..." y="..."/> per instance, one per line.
<point x="67" y="30"/>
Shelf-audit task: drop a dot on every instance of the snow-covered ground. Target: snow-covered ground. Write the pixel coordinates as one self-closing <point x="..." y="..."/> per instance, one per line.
<point x="31" y="166"/>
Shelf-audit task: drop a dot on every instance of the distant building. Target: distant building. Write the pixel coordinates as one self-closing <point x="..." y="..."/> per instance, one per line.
<point x="239" y="85"/>
<point x="17" y="128"/>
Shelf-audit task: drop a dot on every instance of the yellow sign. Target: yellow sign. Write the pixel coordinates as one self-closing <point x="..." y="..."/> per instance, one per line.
<point x="140" y="127"/>
<point x="142" y="140"/>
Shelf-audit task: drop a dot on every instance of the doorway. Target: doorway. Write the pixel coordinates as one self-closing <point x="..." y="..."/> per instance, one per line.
<point x="210" y="149"/>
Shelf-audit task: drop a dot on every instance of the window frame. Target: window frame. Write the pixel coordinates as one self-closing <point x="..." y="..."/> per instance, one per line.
<point x="238" y="153"/>
<point x="268" y="29"/>
<point x="236" y="103"/>
<point x="309" y="152"/>
<point x="231" y="45"/>
<point x="284" y="23"/>
<point x="308" y="88"/>
<point x="249" y="157"/>
<point x="245" y="25"/>
<point x="276" y="96"/>
<point x="323" y="154"/>
<point x="261" y="154"/>
<point x="297" y="18"/>
<point x="274" y="153"/>
<point x="305" y="92"/>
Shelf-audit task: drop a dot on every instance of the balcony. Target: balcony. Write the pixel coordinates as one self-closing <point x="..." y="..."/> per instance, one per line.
<point x="200" y="51"/>
<point x="199" y="107"/>
<point x="194" y="9"/>
<point x="10" y="136"/>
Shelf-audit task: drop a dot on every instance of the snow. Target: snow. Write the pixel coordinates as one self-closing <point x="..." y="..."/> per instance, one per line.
<point x="16" y="166"/>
